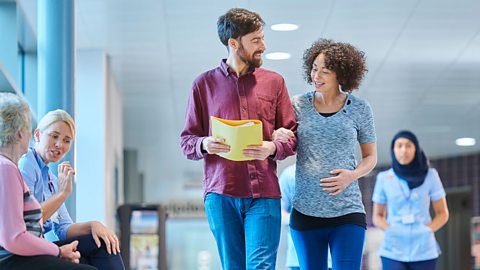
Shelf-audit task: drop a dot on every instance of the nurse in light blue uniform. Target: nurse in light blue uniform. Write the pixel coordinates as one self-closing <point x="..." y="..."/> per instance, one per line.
<point x="401" y="198"/>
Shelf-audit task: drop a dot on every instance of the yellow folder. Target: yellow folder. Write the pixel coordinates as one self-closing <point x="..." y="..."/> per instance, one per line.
<point x="238" y="134"/>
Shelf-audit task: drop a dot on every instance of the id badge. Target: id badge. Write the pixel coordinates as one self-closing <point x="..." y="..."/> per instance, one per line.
<point x="408" y="219"/>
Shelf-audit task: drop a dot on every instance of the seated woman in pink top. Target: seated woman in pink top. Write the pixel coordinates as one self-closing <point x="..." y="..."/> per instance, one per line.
<point x="22" y="245"/>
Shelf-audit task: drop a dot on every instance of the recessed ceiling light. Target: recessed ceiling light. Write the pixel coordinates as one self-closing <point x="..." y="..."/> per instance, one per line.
<point x="284" y="27"/>
<point x="465" y="141"/>
<point x="277" y="56"/>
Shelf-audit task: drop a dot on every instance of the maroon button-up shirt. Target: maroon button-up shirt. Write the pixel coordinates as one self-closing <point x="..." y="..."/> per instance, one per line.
<point x="258" y="94"/>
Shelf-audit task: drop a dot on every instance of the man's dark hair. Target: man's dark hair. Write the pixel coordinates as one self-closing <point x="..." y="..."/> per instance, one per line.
<point x="238" y="22"/>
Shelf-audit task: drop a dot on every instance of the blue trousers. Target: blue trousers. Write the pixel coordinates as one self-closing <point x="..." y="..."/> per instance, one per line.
<point x="389" y="264"/>
<point x="247" y="230"/>
<point x="346" y="246"/>
<point x="93" y="255"/>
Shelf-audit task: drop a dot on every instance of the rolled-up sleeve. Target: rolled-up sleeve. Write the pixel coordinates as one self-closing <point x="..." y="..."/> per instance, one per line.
<point x="285" y="117"/>
<point x="194" y="130"/>
<point x="64" y="223"/>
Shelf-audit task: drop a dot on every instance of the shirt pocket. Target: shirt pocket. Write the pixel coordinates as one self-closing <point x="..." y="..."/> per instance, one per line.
<point x="266" y="105"/>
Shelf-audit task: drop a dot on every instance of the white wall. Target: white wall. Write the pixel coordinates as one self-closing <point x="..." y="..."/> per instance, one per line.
<point x="99" y="139"/>
<point x="114" y="149"/>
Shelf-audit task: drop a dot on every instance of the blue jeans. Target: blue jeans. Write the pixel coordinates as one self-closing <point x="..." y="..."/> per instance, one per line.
<point x="247" y="230"/>
<point x="345" y="241"/>
<point x="389" y="264"/>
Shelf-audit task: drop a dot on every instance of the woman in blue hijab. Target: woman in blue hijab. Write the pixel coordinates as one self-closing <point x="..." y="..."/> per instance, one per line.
<point x="401" y="203"/>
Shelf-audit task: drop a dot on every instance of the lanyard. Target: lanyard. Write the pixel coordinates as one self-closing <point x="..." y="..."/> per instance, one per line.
<point x="55" y="218"/>
<point x="51" y="187"/>
<point x="407" y="198"/>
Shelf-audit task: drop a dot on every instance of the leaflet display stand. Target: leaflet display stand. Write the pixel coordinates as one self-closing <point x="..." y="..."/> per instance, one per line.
<point x="142" y="236"/>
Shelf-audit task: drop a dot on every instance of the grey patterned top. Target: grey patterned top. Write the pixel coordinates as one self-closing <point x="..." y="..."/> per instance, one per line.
<point x="324" y="144"/>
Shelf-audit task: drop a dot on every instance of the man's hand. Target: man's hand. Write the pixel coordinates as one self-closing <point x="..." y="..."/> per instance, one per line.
<point x="282" y="135"/>
<point x="260" y="152"/>
<point x="215" y="145"/>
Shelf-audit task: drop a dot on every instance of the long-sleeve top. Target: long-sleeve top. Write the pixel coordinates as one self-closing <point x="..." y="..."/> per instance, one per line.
<point x="20" y="216"/>
<point x="37" y="177"/>
<point x="258" y="94"/>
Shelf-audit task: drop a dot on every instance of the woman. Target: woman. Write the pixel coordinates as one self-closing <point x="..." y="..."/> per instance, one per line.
<point x="53" y="137"/>
<point x="401" y="203"/>
<point x="327" y="206"/>
<point x="22" y="245"/>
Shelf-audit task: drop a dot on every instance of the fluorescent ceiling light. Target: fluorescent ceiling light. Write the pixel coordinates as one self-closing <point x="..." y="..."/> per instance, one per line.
<point x="465" y="141"/>
<point x="284" y="27"/>
<point x="277" y="56"/>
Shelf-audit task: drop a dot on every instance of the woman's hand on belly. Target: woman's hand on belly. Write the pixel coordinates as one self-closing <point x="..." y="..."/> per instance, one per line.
<point x="336" y="184"/>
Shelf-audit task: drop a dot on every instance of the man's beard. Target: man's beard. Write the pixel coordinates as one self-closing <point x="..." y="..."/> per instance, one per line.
<point x="250" y="61"/>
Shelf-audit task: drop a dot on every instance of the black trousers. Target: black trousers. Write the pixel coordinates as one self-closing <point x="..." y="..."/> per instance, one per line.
<point x="41" y="262"/>
<point x="93" y="255"/>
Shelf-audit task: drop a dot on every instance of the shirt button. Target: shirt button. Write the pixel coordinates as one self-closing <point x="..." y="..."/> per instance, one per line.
<point x="252" y="176"/>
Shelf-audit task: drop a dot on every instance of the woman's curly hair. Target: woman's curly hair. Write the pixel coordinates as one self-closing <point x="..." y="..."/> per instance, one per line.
<point x="346" y="61"/>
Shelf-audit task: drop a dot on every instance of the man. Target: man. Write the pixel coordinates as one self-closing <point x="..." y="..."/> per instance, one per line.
<point x="242" y="198"/>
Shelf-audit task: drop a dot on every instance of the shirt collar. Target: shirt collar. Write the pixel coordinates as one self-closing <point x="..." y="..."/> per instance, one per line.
<point x="40" y="162"/>
<point x="228" y="70"/>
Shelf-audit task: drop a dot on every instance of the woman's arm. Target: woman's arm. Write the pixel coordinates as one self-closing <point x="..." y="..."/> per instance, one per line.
<point x="369" y="160"/>
<point x="51" y="205"/>
<point x="31" y="175"/>
<point x="77" y="229"/>
<point x="441" y="214"/>
<point x="14" y="236"/>
<point x="65" y="178"/>
<point x="379" y="216"/>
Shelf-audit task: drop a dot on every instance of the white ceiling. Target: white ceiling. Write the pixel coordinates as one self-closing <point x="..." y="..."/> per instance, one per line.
<point x="423" y="59"/>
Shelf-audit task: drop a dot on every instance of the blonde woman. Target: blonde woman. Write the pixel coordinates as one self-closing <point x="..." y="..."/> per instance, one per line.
<point x="53" y="137"/>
